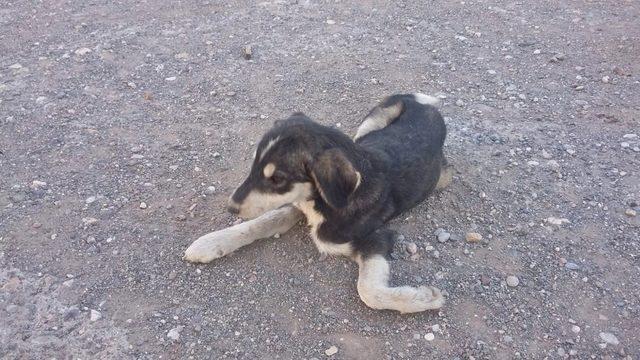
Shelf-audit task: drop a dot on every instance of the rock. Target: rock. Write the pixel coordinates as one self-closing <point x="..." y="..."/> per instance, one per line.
<point x="513" y="281"/>
<point x="605" y="79"/>
<point x="143" y="205"/>
<point x="557" y="221"/>
<point x="536" y="51"/>
<point x="90" y="200"/>
<point x="247" y="52"/>
<point x="210" y="190"/>
<point x="609" y="338"/>
<point x="485" y="280"/>
<point x="174" y="334"/>
<point x="429" y="336"/>
<point x="37" y="184"/>
<point x="459" y="102"/>
<point x="545" y="155"/>
<point x="443" y="237"/>
<point x="411" y="247"/>
<point x="575" y="329"/>
<point x="170" y="78"/>
<point x="629" y="136"/>
<point x="95" y="315"/>
<point x="624" y="144"/>
<point x="184" y="56"/>
<point x="89" y="221"/>
<point x="473" y="237"/>
<point x="16" y="66"/>
<point x="172" y="275"/>
<point x="331" y="22"/>
<point x="630" y="212"/>
<point x="331" y="351"/>
<point x="571" y="266"/>
<point x="435" y="328"/>
<point x="82" y="51"/>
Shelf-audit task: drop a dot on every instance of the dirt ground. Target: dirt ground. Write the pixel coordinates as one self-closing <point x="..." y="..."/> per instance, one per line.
<point x="125" y="125"/>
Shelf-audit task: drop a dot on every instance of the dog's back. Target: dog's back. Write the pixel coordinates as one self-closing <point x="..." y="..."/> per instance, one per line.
<point x="412" y="141"/>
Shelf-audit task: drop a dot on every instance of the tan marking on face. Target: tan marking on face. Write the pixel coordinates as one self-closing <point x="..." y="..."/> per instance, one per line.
<point x="268" y="170"/>
<point x="257" y="202"/>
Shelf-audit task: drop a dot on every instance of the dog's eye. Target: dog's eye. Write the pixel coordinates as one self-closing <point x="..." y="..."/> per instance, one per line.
<point x="278" y="179"/>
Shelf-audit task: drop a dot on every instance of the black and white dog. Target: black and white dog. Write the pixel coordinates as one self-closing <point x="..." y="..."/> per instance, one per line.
<point x="347" y="190"/>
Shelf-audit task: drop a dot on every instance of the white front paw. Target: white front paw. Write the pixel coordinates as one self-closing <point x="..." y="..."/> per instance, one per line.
<point x="205" y="250"/>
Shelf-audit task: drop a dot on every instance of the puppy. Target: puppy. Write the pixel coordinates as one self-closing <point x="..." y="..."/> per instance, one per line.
<point x="347" y="190"/>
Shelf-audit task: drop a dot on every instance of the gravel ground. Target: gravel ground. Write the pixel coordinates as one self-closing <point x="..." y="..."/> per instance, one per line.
<point x="125" y="125"/>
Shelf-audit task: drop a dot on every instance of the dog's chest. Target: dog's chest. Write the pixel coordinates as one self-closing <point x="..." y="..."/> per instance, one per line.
<point x="315" y="219"/>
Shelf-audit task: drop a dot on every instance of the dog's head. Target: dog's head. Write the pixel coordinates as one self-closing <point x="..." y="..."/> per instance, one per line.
<point x="297" y="160"/>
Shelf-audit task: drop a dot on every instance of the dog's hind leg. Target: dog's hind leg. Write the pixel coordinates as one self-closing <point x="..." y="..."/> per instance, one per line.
<point x="378" y="118"/>
<point x="220" y="243"/>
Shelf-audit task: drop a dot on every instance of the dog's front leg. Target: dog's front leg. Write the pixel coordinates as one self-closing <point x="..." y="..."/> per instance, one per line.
<point x="374" y="290"/>
<point x="220" y="243"/>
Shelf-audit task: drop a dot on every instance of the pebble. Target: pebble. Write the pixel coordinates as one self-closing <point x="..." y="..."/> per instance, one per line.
<point x="605" y="79"/>
<point x="16" y="66"/>
<point x="444" y="237"/>
<point x="545" y="155"/>
<point x="629" y="136"/>
<point x="90" y="200"/>
<point x="331" y="351"/>
<point x="473" y="237"/>
<point x="513" y="281"/>
<point x="174" y="334"/>
<point x="170" y="78"/>
<point x="247" y="52"/>
<point x="331" y="22"/>
<point x="411" y="247"/>
<point x="82" y="51"/>
<point x="575" y="328"/>
<point x="624" y="144"/>
<point x="630" y="212"/>
<point x="95" y="315"/>
<point x="536" y="51"/>
<point x="172" y="275"/>
<point x="210" y="190"/>
<point x="572" y="266"/>
<point x="609" y="338"/>
<point x="557" y="221"/>
<point x="143" y="205"/>
<point x="435" y="328"/>
<point x="429" y="336"/>
<point x="459" y="102"/>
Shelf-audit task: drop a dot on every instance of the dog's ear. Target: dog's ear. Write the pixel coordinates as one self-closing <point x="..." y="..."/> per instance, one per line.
<point x="334" y="177"/>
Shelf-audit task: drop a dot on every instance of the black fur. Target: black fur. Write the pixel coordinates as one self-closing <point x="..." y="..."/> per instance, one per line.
<point x="398" y="166"/>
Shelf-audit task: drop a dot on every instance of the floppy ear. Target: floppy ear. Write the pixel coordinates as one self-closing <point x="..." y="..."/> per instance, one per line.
<point x="335" y="177"/>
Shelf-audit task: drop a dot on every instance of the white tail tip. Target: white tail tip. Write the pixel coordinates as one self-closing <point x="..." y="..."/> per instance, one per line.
<point x="426" y="99"/>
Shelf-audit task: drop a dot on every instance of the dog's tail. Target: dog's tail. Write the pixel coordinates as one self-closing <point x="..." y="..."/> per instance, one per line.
<point x="426" y="99"/>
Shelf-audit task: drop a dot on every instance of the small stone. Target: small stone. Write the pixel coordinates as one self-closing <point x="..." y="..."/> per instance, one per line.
<point x="89" y="221"/>
<point x="629" y="136"/>
<point x="16" y="66"/>
<point x="184" y="56"/>
<point x="545" y="155"/>
<point x="575" y="329"/>
<point x="473" y="237"/>
<point x="513" y="281"/>
<point x="216" y="155"/>
<point x="331" y="22"/>
<point x="37" y="184"/>
<point x="435" y="328"/>
<point x="411" y="247"/>
<point x="143" y="205"/>
<point x="485" y="280"/>
<point x="444" y="237"/>
<point x="95" y="315"/>
<point x="536" y="52"/>
<point x="605" y="79"/>
<point x="276" y="236"/>
<point x="624" y="144"/>
<point x="172" y="275"/>
<point x="247" y="52"/>
<point x="459" y="102"/>
<point x="429" y="336"/>
<point x="181" y="217"/>
<point x="507" y="339"/>
<point x="557" y="221"/>
<point x="571" y="265"/>
<point x="331" y="351"/>
<point x="174" y="334"/>
<point x="630" y="212"/>
<point x="573" y="352"/>
<point x="170" y="78"/>
<point x="609" y="338"/>
<point x="82" y="51"/>
<point x="210" y="190"/>
<point x="90" y="200"/>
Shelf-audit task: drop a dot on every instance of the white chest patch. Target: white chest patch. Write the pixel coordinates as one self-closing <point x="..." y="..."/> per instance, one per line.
<point x="315" y="219"/>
